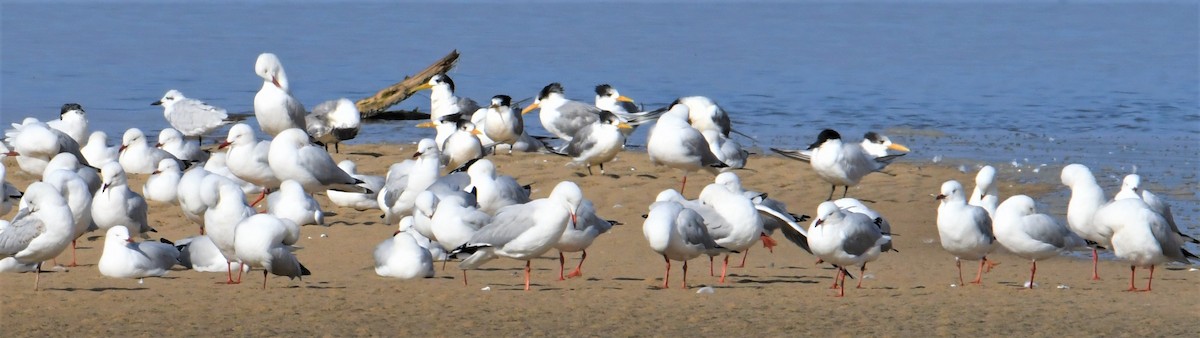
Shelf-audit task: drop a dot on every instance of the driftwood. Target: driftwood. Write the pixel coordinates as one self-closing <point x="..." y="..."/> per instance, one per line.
<point x="375" y="107"/>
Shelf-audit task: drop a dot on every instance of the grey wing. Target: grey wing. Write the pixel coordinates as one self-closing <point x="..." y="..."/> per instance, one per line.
<point x="1164" y="209"/>
<point x="793" y="231"/>
<point x="163" y="255"/>
<point x="317" y="122"/>
<point x="698" y="146"/>
<point x="284" y="263"/>
<point x="512" y="190"/>
<point x="1043" y="228"/>
<point x="861" y="239"/>
<point x="799" y="155"/>
<point x="296" y="112"/>
<point x="509" y="222"/>
<point x="984" y="222"/>
<point x="321" y="165"/>
<point x="191" y="113"/>
<point x="581" y="141"/>
<point x="468" y="107"/>
<point x="138" y="210"/>
<point x="19" y="233"/>
<point x="691" y="226"/>
<point x="722" y="120"/>
<point x="576" y="115"/>
<point x="587" y="215"/>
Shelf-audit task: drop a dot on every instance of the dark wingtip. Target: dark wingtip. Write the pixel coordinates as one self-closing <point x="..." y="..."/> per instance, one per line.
<point x="304" y="271"/>
<point x="166" y="241"/>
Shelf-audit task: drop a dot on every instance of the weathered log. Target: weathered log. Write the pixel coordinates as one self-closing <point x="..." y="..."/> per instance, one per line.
<point x="377" y="104"/>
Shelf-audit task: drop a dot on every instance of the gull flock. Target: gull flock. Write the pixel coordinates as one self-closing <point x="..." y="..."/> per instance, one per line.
<point x="449" y="203"/>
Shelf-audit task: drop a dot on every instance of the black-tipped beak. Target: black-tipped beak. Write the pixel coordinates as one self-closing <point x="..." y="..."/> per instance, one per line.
<point x="940" y="197"/>
<point x="156" y="103"/>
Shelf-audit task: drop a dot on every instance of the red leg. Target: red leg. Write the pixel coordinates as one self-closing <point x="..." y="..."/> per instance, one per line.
<point x="744" y="255"/>
<point x="978" y="275"/>
<point x="579" y="268"/>
<point x="464" y="278"/>
<point x="264" y="279"/>
<point x="73" y="264"/>
<point x="842" y="287"/>
<point x="561" y="261"/>
<point x="667" y="276"/>
<point x="526" y="275"/>
<point x="724" y="268"/>
<point x="835" y="278"/>
<point x="1151" y="281"/>
<point x="768" y="242"/>
<point x="958" y="264"/>
<point x="261" y="196"/>
<point x="229" y="273"/>
<point x="684" y="185"/>
<point x="240" y="270"/>
<point x="37" y="276"/>
<point x="1095" y="265"/>
<point x="710" y="267"/>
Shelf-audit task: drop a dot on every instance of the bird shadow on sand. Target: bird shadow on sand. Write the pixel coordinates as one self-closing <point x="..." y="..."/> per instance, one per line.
<point x="363" y="153"/>
<point x="101" y="289"/>
<point x="647" y="176"/>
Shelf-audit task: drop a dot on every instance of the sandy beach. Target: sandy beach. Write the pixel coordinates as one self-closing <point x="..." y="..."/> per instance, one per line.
<point x="905" y="293"/>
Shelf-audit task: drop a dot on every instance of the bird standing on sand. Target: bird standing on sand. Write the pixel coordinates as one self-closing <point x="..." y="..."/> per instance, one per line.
<point x="965" y="230"/>
<point x="674" y="143"/>
<point x="191" y="117"/>
<point x="840" y="163"/>
<point x="1030" y="235"/>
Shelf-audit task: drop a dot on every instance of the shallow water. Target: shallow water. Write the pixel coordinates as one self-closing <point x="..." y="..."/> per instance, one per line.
<point x="1016" y="84"/>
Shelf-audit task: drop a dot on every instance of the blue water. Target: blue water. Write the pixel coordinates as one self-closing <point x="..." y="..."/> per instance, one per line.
<point x="1019" y="84"/>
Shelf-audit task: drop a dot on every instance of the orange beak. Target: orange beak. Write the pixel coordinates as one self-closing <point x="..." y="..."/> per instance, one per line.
<point x="223" y="145"/>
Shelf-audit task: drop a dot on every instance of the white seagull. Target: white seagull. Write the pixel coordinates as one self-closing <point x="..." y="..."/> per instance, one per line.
<point x="674" y="143"/>
<point x="41" y="229"/>
<point x="221" y="222"/>
<point x="291" y="203"/>
<point x="727" y="150"/>
<point x="1030" y="235"/>
<point x="965" y="230"/>
<point x="172" y="141"/>
<point x="136" y="154"/>
<point x="9" y="195"/>
<point x="274" y="107"/>
<point x="201" y="254"/>
<point x="75" y="191"/>
<point x="189" y="116"/>
<point x="1131" y="188"/>
<point x="163" y="183"/>
<point x="524" y="231"/>
<point x="115" y="204"/>
<point x="333" y="122"/>
<point x="1141" y="237"/>
<point x="841" y="163"/>
<point x="248" y="159"/>
<point x="401" y="257"/>
<point x="97" y="152"/>
<point x="292" y="158"/>
<point x="985" y="194"/>
<point x="579" y="237"/>
<point x="124" y="258"/>
<point x="677" y="233"/>
<point x="845" y="239"/>
<point x="493" y="191"/>
<point x="1086" y="198"/>
<point x="260" y="243"/>
<point x="740" y="225"/>
<point x="34" y="143"/>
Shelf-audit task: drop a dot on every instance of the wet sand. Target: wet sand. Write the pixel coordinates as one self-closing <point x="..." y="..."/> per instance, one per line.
<point x="906" y="293"/>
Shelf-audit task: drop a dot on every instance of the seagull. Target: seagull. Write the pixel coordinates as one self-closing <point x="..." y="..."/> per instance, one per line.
<point x="726" y="149"/>
<point x="965" y="230"/>
<point x="840" y="163"/>
<point x="199" y="253"/>
<point x="259" y="243"/>
<point x="75" y="191"/>
<point x="774" y="215"/>
<point x="97" y="152"/>
<point x="34" y="143"/>
<point x="677" y="233"/>
<point x="73" y="122"/>
<point x="189" y="116"/>
<point x="423" y="209"/>
<point x="274" y="107"/>
<point x="1141" y="237"/>
<point x="188" y="195"/>
<point x="137" y="156"/>
<point x="462" y="145"/>
<point x="442" y="101"/>
<point x="115" y="204"/>
<point x="1030" y="235"/>
<point x="221" y="221"/>
<point x="248" y="159"/>
<point x="405" y="181"/>
<point x="1086" y="198"/>
<point x="401" y="257"/>
<point x="580" y="237"/>
<point x="124" y="258"/>
<point x="171" y="140"/>
<point x="501" y="123"/>
<point x="985" y="194"/>
<point x="292" y="158"/>
<point x="493" y="191"/>
<point x="705" y="114"/>
<point x="358" y="201"/>
<point x="740" y="225"/>
<point x="524" y="231"/>
<point x="334" y="122"/>
<point x="454" y="221"/>
<point x="291" y="203"/>
<point x="163" y="183"/>
<point x="1130" y="188"/>
<point x="41" y="229"/>
<point x="598" y="142"/>
<point x="68" y="162"/>
<point x="853" y="205"/>
<point x="674" y="143"/>
<point x="561" y="116"/>
<point x="845" y="239"/>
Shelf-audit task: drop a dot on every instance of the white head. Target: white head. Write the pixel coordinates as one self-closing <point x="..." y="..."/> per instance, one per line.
<point x="985" y="177"/>
<point x="167" y="165"/>
<point x="427" y="148"/>
<point x="270" y="70"/>
<point x="826" y="212"/>
<point x="65" y="161"/>
<point x="170" y="98"/>
<point x="1130" y="188"/>
<point x="570" y="194"/>
<point x="239" y="134"/>
<point x="426" y="202"/>
<point x="98" y="137"/>
<point x="132" y="136"/>
<point x="1076" y="173"/>
<point x="669" y="195"/>
<point x="112" y="175"/>
<point x="169" y="137"/>
<point x="118" y="235"/>
<point x="293" y="137"/>
<point x="952" y="191"/>
<point x="483" y="168"/>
